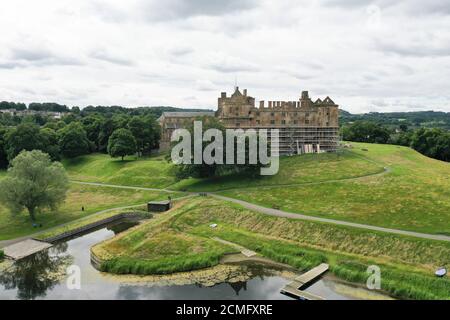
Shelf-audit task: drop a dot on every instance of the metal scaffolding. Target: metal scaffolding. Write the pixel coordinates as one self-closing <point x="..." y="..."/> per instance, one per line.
<point x="296" y="140"/>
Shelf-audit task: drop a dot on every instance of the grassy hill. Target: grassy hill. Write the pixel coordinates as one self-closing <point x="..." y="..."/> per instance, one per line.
<point x="413" y="195"/>
<point x="156" y="172"/>
<point x="152" y="172"/>
<point x="310" y="168"/>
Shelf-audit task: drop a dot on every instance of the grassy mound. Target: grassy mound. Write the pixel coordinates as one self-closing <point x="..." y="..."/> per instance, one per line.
<point x="156" y="172"/>
<point x="414" y="195"/>
<point x="310" y="168"/>
<point x="157" y="248"/>
<point x="151" y="172"/>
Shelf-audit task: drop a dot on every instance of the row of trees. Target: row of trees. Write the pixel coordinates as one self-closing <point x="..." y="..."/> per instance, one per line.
<point x="5" y="105"/>
<point x="119" y="135"/>
<point x="48" y="106"/>
<point x="415" y="119"/>
<point x="432" y="142"/>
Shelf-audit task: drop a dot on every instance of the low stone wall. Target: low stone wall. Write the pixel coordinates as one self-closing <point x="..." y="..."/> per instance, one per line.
<point x="88" y="227"/>
<point x="96" y="262"/>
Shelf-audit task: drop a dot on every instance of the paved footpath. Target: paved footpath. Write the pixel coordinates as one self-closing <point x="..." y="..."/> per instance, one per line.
<point x="299" y="216"/>
<point x="291" y="215"/>
<point x="260" y="209"/>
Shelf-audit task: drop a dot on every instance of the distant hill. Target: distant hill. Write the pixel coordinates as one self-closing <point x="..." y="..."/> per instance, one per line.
<point x="434" y="119"/>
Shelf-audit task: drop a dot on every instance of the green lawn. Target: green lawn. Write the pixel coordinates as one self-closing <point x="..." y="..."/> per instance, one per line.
<point x="293" y="170"/>
<point x="415" y="195"/>
<point x="166" y="244"/>
<point x="93" y="199"/>
<point x="151" y="172"/>
<point x="156" y="172"/>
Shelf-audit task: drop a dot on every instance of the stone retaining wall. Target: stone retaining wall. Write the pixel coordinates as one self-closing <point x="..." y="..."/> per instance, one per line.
<point x="88" y="227"/>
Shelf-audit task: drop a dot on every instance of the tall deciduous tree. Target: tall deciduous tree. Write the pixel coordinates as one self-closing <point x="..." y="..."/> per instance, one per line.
<point x="146" y="131"/>
<point x="121" y="143"/>
<point x="23" y="137"/>
<point x="73" y="140"/>
<point x="34" y="183"/>
<point x="49" y="139"/>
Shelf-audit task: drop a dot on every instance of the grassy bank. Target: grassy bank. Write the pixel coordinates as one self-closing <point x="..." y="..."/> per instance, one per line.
<point x="150" y="172"/>
<point x="302" y="169"/>
<point x="91" y="219"/>
<point x="414" y="195"/>
<point x="157" y="248"/>
<point x="94" y="199"/>
<point x="156" y="172"/>
<point x="2" y="255"/>
<point x="407" y="264"/>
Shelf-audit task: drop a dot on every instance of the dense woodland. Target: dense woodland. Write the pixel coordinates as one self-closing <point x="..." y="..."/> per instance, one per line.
<point x="117" y="130"/>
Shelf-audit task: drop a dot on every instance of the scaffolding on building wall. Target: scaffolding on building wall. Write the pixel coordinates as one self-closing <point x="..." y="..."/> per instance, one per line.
<point x="298" y="140"/>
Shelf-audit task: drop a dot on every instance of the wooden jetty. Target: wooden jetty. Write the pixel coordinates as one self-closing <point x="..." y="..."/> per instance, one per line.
<point x="295" y="288"/>
<point x="25" y="248"/>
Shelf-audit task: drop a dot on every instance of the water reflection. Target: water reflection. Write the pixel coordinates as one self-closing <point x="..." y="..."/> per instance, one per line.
<point x="34" y="275"/>
<point x="42" y="276"/>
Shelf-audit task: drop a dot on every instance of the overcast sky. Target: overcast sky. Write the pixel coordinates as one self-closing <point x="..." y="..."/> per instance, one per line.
<point x="366" y="55"/>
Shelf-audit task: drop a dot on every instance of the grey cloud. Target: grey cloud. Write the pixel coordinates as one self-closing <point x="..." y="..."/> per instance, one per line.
<point x="167" y="10"/>
<point x="178" y="9"/>
<point x="181" y="51"/>
<point x="347" y="3"/>
<point x="23" y="57"/>
<point x="417" y="7"/>
<point x="370" y="77"/>
<point x="415" y="49"/>
<point x="230" y="67"/>
<point x="111" y="58"/>
<point x="28" y="54"/>
<point x="10" y="65"/>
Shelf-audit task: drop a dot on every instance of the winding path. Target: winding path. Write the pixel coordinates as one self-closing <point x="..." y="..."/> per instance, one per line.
<point x="291" y="215"/>
<point x="298" y="216"/>
<point x="5" y="243"/>
<point x="258" y="208"/>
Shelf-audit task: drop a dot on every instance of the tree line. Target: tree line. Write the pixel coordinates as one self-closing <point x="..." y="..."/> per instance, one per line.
<point x="432" y="142"/>
<point x="118" y="134"/>
<point x="415" y="119"/>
